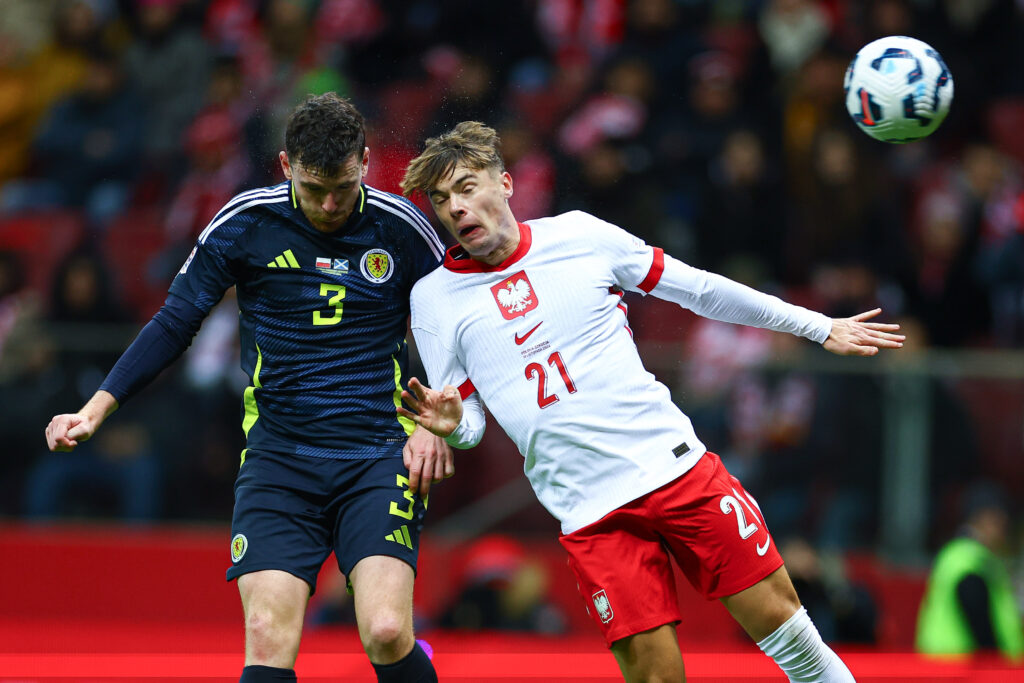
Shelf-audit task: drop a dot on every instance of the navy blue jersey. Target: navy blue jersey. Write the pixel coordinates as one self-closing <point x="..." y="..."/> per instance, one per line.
<point x="323" y="317"/>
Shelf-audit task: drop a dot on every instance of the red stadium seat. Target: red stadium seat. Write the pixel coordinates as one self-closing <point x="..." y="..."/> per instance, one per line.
<point x="131" y="244"/>
<point x="43" y="239"/>
<point x="1005" y="122"/>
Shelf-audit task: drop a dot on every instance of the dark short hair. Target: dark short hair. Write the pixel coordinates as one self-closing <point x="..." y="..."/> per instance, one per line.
<point x="323" y="132"/>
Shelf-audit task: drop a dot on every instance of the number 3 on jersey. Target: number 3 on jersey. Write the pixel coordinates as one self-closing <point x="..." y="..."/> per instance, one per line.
<point x="337" y="295"/>
<point x="538" y="371"/>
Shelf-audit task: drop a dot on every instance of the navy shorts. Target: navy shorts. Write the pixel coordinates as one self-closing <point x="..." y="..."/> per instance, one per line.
<point x="291" y="511"/>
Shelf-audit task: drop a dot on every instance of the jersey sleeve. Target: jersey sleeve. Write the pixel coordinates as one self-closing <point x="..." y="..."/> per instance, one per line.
<point x="641" y="268"/>
<point x="213" y="265"/>
<point x="719" y="298"/>
<point x="158" y="345"/>
<point x="634" y="265"/>
<point x="444" y="367"/>
<point x="428" y="248"/>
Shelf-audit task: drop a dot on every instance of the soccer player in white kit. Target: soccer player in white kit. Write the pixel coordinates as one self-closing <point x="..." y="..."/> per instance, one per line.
<point x="527" y="319"/>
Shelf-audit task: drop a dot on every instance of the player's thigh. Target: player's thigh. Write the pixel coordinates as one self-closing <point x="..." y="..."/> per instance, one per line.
<point x="279" y="522"/>
<point x="378" y="515"/>
<point x="765" y="606"/>
<point x="624" y="575"/>
<point x="650" y="655"/>
<point x="714" y="529"/>
<point x="275" y="595"/>
<point x="382" y="588"/>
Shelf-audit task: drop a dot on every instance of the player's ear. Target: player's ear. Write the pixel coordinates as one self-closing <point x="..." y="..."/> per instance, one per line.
<point x="506" y="185"/>
<point x="366" y="159"/>
<point x="285" y="166"/>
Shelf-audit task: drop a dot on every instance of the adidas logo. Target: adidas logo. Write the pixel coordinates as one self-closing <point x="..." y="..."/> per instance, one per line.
<point x="285" y="260"/>
<point x="400" y="536"/>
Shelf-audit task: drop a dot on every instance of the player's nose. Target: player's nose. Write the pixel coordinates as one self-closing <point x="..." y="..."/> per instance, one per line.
<point x="329" y="205"/>
<point x="455" y="206"/>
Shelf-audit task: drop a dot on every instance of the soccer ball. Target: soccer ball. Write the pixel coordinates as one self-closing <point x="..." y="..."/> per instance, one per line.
<point x="898" y="89"/>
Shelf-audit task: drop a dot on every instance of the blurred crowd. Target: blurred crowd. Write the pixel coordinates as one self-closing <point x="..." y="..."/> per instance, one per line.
<point x="715" y="129"/>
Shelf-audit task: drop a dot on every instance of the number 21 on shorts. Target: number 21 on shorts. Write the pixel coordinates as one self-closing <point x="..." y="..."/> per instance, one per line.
<point x="735" y="504"/>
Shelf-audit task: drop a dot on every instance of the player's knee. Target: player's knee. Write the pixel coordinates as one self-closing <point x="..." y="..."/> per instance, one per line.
<point x="265" y="628"/>
<point x="384" y="633"/>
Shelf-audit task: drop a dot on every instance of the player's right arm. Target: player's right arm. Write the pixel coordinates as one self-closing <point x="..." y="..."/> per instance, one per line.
<point x="456" y="412"/>
<point x="160" y="343"/>
<point x="198" y="286"/>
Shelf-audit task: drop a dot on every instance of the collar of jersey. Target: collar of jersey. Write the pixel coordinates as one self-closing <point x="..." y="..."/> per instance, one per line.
<point x="354" y="218"/>
<point x="458" y="260"/>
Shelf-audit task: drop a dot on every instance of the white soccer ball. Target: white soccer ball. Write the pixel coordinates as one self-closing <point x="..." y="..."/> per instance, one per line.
<point x="898" y="89"/>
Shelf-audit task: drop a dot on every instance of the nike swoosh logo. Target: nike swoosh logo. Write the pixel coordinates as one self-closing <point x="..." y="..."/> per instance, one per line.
<point x="520" y="340"/>
<point x="761" y="551"/>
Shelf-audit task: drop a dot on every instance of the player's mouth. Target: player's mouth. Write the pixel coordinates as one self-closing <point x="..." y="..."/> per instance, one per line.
<point x="467" y="231"/>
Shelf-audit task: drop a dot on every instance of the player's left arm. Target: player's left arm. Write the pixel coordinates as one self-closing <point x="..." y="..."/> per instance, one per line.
<point x="717" y="297"/>
<point x="639" y="267"/>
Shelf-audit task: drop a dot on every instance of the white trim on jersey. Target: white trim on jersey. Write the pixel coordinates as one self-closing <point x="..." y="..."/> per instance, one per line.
<point x="251" y="194"/>
<point x="277" y="197"/>
<point x="414" y="218"/>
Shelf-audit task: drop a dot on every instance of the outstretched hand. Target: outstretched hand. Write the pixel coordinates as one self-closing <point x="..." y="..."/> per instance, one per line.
<point x="854" y="337"/>
<point x="437" y="411"/>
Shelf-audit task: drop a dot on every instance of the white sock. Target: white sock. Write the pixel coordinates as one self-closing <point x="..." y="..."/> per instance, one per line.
<point x="800" y="652"/>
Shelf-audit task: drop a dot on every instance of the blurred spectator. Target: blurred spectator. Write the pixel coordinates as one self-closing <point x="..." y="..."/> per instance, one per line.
<point x="471" y="93"/>
<point x="793" y="30"/>
<point x="168" y="63"/>
<point x="581" y="27"/>
<point x="18" y="116"/>
<point x="1000" y="258"/>
<point x="26" y="356"/>
<point x="617" y="112"/>
<point x="117" y="473"/>
<point x="532" y="167"/>
<point x="839" y="215"/>
<point x="218" y="169"/>
<point x="76" y="28"/>
<point x="969" y="605"/>
<point x="599" y="180"/>
<point x="20" y="310"/>
<point x="502" y="589"/>
<point x="741" y="213"/>
<point x="85" y="153"/>
<point x="958" y="207"/>
<point x="843" y="611"/>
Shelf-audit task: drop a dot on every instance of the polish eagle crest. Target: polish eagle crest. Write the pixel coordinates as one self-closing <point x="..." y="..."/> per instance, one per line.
<point x="514" y="295"/>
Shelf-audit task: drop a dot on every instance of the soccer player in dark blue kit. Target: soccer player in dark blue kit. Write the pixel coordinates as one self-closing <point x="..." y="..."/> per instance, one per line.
<point x="323" y="266"/>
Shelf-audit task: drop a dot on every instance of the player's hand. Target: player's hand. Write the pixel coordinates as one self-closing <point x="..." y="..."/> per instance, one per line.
<point x="429" y="460"/>
<point x="66" y="431"/>
<point x="438" y="411"/>
<point x="854" y="337"/>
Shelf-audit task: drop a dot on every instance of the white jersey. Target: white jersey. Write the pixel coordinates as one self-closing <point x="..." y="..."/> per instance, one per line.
<point x="544" y="341"/>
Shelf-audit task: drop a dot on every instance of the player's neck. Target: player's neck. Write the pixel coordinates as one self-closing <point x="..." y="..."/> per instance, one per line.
<point x="507" y="247"/>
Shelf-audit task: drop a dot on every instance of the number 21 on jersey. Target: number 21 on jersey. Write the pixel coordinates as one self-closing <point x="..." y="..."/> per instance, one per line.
<point x="540" y="373"/>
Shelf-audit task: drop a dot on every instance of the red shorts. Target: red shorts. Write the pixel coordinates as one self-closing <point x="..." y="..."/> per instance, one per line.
<point x="705" y="519"/>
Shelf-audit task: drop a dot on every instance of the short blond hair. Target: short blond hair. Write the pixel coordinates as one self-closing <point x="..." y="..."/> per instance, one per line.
<point x="470" y="143"/>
